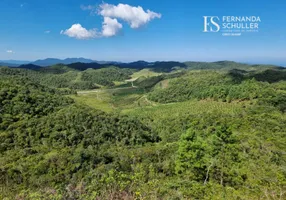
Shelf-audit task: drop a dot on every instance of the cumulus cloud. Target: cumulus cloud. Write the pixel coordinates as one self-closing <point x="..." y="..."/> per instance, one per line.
<point x="10" y="51"/>
<point x="135" y="16"/>
<point x="79" y="32"/>
<point x="110" y="27"/>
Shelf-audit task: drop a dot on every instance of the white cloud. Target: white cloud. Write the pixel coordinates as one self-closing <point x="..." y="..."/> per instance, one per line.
<point x="135" y="16"/>
<point x="47" y="32"/>
<point x="110" y="27"/>
<point x="79" y="32"/>
<point x="10" y="51"/>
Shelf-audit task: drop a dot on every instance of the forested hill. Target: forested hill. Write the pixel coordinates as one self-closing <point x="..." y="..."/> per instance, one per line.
<point x="228" y="65"/>
<point x="173" y="131"/>
<point x="61" y="76"/>
<point x="159" y="66"/>
<point x="46" y="139"/>
<point x="83" y="76"/>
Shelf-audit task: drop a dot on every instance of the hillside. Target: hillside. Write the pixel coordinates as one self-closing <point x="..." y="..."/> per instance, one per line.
<point x="230" y="86"/>
<point x="227" y="65"/>
<point x="46" y="138"/>
<point x="60" y="76"/>
<point x="174" y="131"/>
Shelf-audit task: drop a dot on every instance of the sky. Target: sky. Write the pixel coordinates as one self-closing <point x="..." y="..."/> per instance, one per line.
<point x="130" y="30"/>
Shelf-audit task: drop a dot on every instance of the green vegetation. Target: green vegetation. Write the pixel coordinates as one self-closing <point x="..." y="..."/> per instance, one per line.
<point x="94" y="100"/>
<point x="106" y="76"/>
<point x="47" y="141"/>
<point x="172" y="120"/>
<point x="221" y="86"/>
<point x="227" y="65"/>
<point x="216" y="133"/>
<point x="145" y="73"/>
<point x="65" y="77"/>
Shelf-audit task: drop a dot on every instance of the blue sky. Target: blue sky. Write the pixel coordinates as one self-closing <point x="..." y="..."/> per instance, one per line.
<point x="31" y="29"/>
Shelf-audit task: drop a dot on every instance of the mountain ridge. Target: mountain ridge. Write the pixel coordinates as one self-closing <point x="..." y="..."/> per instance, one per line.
<point x="83" y="63"/>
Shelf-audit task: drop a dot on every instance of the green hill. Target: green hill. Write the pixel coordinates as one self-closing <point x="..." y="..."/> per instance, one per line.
<point x="215" y="132"/>
<point x="60" y="76"/>
<point x="47" y="140"/>
<point x="227" y="65"/>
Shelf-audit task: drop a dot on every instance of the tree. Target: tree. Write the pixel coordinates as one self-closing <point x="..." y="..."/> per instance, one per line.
<point x="210" y="154"/>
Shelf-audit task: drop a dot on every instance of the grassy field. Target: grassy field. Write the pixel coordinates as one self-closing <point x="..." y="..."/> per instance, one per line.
<point x="191" y="107"/>
<point x="98" y="101"/>
<point x="142" y="73"/>
<point x="109" y="100"/>
<point x="145" y="72"/>
<point x="133" y="101"/>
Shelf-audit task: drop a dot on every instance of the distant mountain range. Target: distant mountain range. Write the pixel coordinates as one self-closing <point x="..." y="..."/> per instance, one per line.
<point x="83" y="63"/>
<point x="14" y="62"/>
<point x="156" y="66"/>
<point x="45" y="62"/>
<point x="165" y="66"/>
<point x="30" y="66"/>
<point x="52" y="61"/>
<point x="9" y="64"/>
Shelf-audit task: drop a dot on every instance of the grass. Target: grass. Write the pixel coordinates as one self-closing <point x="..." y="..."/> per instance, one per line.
<point x="168" y="120"/>
<point x="189" y="107"/>
<point x="118" y="83"/>
<point x="133" y="101"/>
<point x="145" y="72"/>
<point x="142" y="73"/>
<point x="173" y="119"/>
<point x="98" y="101"/>
<point x="109" y="100"/>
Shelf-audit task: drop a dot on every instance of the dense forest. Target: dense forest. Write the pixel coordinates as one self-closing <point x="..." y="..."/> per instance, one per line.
<point x="61" y="76"/>
<point x="161" y="131"/>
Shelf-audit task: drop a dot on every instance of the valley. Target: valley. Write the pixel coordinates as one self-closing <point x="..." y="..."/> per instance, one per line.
<point x="165" y="130"/>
